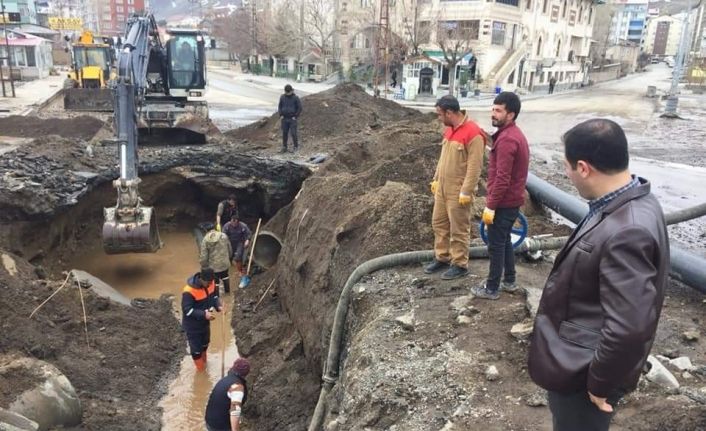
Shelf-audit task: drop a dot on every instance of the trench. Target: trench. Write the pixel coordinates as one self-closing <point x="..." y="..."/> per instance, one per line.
<point x="72" y="241"/>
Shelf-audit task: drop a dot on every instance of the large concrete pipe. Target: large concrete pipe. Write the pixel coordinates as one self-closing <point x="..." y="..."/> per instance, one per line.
<point x="685" y="267"/>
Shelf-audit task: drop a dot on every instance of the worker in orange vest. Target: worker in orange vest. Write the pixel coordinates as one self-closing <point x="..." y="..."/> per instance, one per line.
<point x="199" y="302"/>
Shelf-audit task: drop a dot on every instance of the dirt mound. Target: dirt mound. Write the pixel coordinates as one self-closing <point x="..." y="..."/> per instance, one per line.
<point x="327" y="116"/>
<point x="83" y="127"/>
<point x="369" y="199"/>
<point x="118" y="376"/>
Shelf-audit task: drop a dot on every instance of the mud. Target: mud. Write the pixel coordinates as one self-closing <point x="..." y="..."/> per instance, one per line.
<point x="82" y="127"/>
<point x="120" y="375"/>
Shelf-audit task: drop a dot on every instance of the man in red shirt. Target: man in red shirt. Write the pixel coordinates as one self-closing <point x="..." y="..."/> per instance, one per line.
<point x="508" y="164"/>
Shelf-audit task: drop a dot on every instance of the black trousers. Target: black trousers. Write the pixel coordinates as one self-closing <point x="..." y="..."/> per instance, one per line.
<point x="198" y="341"/>
<point x="576" y="412"/>
<point x="502" y="256"/>
<point x="289" y="125"/>
<point x="223" y="276"/>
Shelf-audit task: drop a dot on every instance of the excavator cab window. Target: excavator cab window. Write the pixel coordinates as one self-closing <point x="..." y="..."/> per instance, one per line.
<point x="185" y="54"/>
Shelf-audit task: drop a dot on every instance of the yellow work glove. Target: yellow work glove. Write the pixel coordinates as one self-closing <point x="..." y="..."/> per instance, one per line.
<point x="434" y="187"/>
<point x="464" y="199"/>
<point x="488" y="216"/>
<point x="218" y="227"/>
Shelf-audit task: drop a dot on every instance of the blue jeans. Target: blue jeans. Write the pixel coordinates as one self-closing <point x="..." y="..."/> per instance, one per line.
<point x="502" y="256"/>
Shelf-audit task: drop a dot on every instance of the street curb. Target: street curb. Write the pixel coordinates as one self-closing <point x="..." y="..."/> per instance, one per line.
<point x="43" y="103"/>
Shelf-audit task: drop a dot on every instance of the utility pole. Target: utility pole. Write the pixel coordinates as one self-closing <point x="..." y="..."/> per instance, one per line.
<point x="382" y="48"/>
<point x="300" y="70"/>
<point x="9" y="54"/>
<point x="670" y="109"/>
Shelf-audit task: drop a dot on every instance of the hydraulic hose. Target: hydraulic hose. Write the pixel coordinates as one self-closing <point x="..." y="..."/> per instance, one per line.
<point x="330" y="375"/>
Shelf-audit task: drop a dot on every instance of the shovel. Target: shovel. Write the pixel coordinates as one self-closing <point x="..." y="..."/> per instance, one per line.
<point x="245" y="279"/>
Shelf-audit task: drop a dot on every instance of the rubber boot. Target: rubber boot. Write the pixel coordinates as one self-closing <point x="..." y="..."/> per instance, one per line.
<point x="200" y="363"/>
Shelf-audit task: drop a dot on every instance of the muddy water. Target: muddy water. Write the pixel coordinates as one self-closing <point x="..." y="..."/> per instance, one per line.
<point x="150" y="276"/>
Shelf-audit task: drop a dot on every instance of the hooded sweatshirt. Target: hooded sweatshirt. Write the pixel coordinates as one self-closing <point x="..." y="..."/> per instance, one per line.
<point x="215" y="251"/>
<point x="289" y="105"/>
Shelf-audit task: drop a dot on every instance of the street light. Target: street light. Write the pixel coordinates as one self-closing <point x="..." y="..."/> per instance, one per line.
<point x="670" y="109"/>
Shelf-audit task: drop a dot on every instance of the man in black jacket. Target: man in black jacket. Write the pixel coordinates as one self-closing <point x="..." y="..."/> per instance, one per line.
<point x="601" y="303"/>
<point x="227" y="399"/>
<point x="290" y="107"/>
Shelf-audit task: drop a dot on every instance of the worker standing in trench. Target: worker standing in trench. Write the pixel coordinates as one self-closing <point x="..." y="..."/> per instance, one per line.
<point x="508" y="166"/>
<point x="227" y="398"/>
<point x="453" y="187"/>
<point x="199" y="302"/>
<point x="225" y="211"/>
<point x="215" y="254"/>
<point x="239" y="235"/>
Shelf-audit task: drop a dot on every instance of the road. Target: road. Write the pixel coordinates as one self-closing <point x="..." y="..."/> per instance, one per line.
<point x="670" y="153"/>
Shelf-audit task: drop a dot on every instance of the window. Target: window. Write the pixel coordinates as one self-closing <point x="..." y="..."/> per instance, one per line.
<point x="469" y="29"/>
<point x="539" y="47"/>
<point x="119" y="9"/>
<point x="511" y="78"/>
<point x="364" y="3"/>
<point x="515" y="3"/>
<point x="563" y="9"/>
<point x="541" y="78"/>
<point x="498" y="37"/>
<point x="453" y="30"/>
<point x="590" y="15"/>
<point x="130" y="1"/>
<point x="544" y="6"/>
<point x="580" y="13"/>
<point x="528" y="5"/>
<point x="423" y="32"/>
<point x="558" y="48"/>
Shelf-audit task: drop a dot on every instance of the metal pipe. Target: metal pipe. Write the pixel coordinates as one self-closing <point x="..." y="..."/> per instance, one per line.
<point x="685" y="214"/>
<point x="685" y="267"/>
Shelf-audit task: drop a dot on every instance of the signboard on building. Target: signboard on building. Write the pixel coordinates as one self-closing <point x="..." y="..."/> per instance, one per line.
<point x="58" y="23"/>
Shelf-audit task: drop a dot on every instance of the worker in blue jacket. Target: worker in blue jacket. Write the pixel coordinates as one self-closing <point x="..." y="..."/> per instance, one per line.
<point x="199" y="303"/>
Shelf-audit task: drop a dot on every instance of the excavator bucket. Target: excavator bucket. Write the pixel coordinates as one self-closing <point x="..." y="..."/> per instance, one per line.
<point x="136" y="233"/>
<point x="88" y="99"/>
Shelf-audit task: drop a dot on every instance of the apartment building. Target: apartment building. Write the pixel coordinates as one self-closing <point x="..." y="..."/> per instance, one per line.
<point x="112" y="15"/>
<point x="628" y="23"/>
<point x="514" y="43"/>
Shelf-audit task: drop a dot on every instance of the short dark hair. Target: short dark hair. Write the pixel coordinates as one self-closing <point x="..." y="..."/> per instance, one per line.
<point x="599" y="142"/>
<point x="510" y="100"/>
<point x="206" y="274"/>
<point x="288" y="88"/>
<point x="235" y="216"/>
<point x="231" y="197"/>
<point x="448" y="103"/>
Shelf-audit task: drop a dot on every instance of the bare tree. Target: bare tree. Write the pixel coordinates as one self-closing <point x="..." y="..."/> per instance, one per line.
<point x="455" y="38"/>
<point x="236" y="31"/>
<point x="319" y="23"/>
<point x="284" y="33"/>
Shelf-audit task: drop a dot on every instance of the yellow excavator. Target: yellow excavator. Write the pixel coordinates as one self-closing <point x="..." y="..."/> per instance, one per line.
<point x="86" y="87"/>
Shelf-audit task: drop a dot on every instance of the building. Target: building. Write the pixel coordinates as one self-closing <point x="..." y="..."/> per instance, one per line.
<point x="31" y="55"/>
<point x="112" y="15"/>
<point x="663" y="35"/>
<point x="628" y="21"/>
<point x="513" y="43"/>
<point x="20" y="12"/>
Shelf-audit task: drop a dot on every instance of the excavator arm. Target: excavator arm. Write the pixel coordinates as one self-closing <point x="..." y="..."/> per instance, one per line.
<point x="131" y="227"/>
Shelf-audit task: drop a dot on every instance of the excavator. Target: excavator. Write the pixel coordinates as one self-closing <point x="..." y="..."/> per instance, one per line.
<point x="92" y="68"/>
<point x="159" y="86"/>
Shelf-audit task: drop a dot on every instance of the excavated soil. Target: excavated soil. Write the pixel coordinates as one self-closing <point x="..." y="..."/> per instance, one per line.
<point x="120" y="375"/>
<point x="345" y="110"/>
<point x="368" y="199"/>
<point x="81" y="127"/>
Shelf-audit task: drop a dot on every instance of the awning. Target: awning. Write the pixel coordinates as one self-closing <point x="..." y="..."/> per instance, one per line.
<point x="439" y="56"/>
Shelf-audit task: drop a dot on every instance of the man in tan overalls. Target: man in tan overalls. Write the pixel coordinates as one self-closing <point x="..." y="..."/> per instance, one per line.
<point x="453" y="188"/>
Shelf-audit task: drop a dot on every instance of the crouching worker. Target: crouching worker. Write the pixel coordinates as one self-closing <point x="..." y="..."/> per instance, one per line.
<point x="199" y="303"/>
<point x="227" y="398"/>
